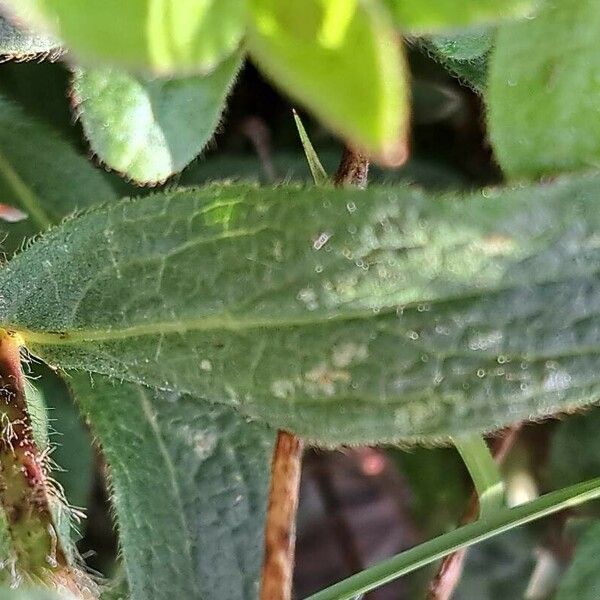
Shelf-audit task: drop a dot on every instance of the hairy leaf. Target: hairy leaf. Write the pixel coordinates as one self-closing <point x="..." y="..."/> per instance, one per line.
<point x="33" y="594"/>
<point x="41" y="176"/>
<point x="345" y="316"/>
<point x="150" y="129"/>
<point x="582" y="580"/>
<point x="434" y="15"/>
<point x="66" y="434"/>
<point x="17" y="43"/>
<point x="39" y="393"/>
<point x="162" y="37"/>
<point x="464" y="55"/>
<point x="343" y="61"/>
<point x="189" y="487"/>
<point x="544" y="90"/>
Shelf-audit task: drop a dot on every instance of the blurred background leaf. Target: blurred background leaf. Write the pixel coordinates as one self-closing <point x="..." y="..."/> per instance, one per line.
<point x="149" y="129"/>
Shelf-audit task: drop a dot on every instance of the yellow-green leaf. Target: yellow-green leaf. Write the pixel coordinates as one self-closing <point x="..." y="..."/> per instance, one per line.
<point x="422" y="16"/>
<point x="343" y="61"/>
<point x="161" y="36"/>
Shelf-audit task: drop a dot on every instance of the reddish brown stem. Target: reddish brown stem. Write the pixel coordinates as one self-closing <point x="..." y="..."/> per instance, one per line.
<point x="446" y="580"/>
<point x="353" y="169"/>
<point x="24" y="489"/>
<point x="280" y="529"/>
<point x="23" y="485"/>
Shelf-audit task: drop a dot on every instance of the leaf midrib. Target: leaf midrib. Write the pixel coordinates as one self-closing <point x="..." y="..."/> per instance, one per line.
<point x="228" y="322"/>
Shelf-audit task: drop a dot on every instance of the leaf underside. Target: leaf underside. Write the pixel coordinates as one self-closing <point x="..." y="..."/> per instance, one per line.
<point x="464" y="55"/>
<point x="16" y="43"/>
<point x="380" y="315"/>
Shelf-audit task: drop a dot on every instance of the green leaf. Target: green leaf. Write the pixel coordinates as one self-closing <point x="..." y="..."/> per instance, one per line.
<point x="582" y="580"/>
<point x="346" y="316"/>
<point x="33" y="594"/>
<point x="42" y="176"/>
<point x="117" y="588"/>
<point x="17" y="43"/>
<point x="464" y="55"/>
<point x="189" y="486"/>
<point x="416" y="16"/>
<point x="544" y="90"/>
<point x="149" y="129"/>
<point x="41" y="401"/>
<point x="343" y="61"/>
<point x="168" y="36"/>
<point x="66" y="434"/>
<point x="575" y="449"/>
<point x="439" y="486"/>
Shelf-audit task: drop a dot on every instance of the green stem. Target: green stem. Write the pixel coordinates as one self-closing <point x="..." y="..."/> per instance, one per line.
<point x="484" y="472"/>
<point x="483" y="529"/>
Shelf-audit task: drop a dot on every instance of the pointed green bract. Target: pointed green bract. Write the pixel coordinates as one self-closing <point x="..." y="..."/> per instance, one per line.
<point x="343" y="61"/>
<point x="544" y="91"/>
<point x="41" y="176"/>
<point x="164" y="36"/>
<point x="317" y="171"/>
<point x="149" y="129"/>
<point x="20" y="44"/>
<point x="344" y="316"/>
<point x="189" y="487"/>
<point x="417" y="16"/>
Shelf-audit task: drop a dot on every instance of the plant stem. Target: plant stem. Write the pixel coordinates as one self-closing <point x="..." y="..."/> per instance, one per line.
<point x="503" y="520"/>
<point x="280" y="529"/>
<point x="444" y="583"/>
<point x="484" y="472"/>
<point x="353" y="169"/>
<point x="24" y="488"/>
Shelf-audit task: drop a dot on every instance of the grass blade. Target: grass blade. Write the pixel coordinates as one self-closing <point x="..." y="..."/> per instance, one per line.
<point x="483" y="529"/>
